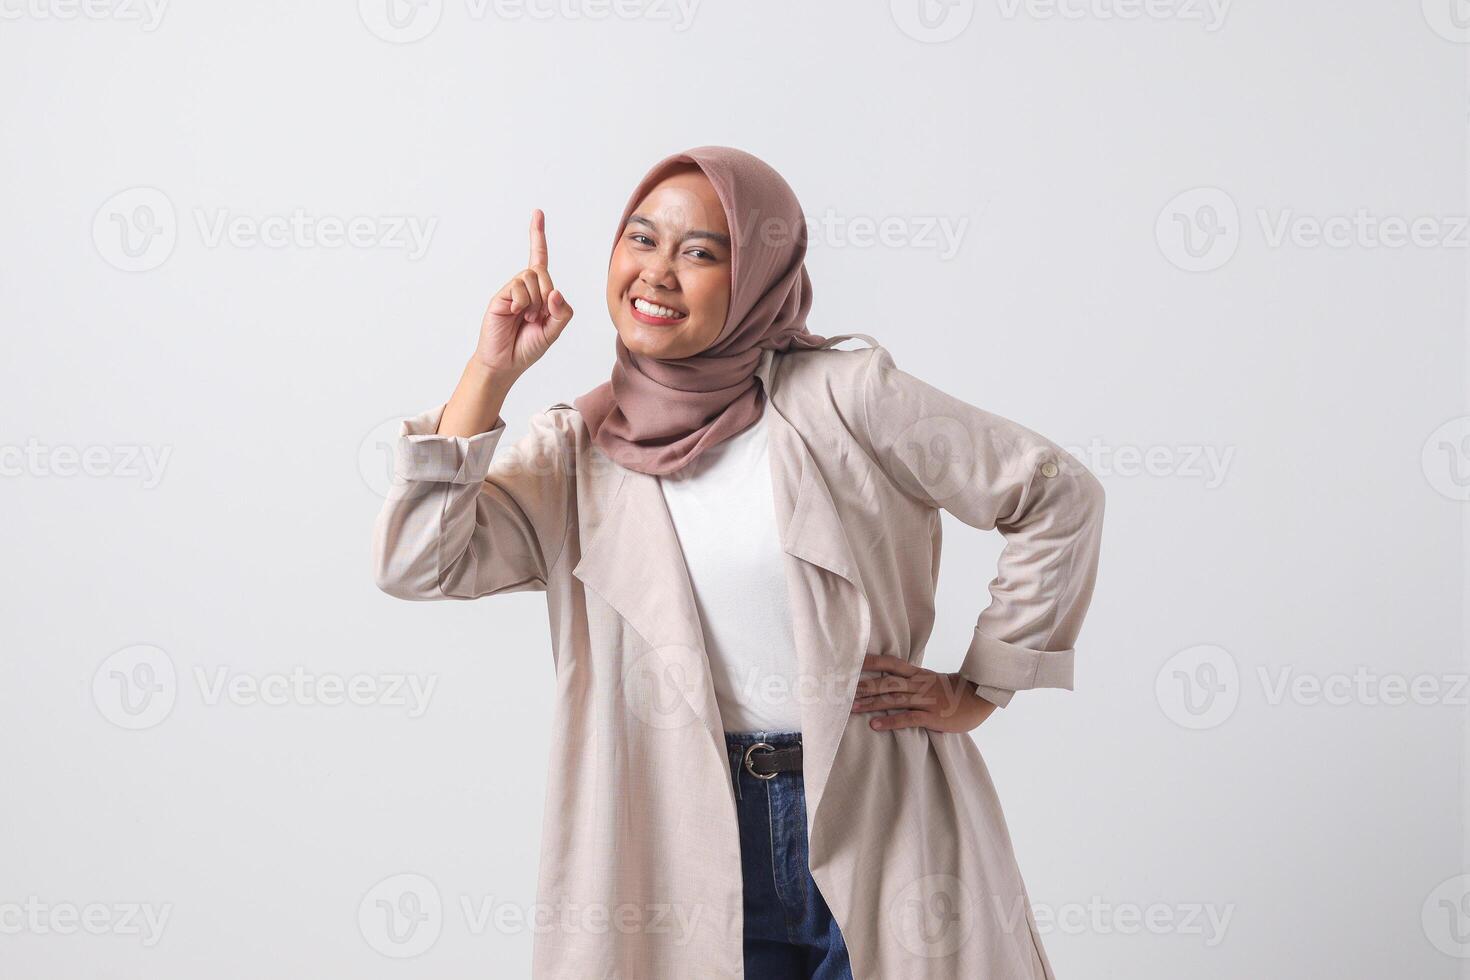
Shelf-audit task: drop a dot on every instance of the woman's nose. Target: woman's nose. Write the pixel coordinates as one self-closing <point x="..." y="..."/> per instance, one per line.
<point x="658" y="273"/>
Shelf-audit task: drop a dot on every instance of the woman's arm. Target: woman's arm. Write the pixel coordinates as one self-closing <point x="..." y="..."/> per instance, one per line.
<point x="993" y="473"/>
<point x="458" y="524"/>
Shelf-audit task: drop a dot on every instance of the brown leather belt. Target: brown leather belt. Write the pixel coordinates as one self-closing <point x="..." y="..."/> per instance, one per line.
<point x="763" y="760"/>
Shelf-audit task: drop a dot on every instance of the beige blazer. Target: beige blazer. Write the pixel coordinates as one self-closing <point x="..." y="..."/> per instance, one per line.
<point x="640" y="874"/>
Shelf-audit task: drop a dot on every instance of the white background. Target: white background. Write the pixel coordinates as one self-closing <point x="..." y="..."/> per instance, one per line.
<point x="1172" y="785"/>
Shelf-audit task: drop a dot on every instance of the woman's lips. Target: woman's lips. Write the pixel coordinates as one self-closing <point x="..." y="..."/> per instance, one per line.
<point x="651" y="320"/>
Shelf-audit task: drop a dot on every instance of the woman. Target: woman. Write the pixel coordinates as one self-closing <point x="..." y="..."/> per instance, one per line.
<point x="738" y="535"/>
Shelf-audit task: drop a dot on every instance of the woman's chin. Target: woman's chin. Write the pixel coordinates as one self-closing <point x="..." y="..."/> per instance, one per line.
<point x="650" y="341"/>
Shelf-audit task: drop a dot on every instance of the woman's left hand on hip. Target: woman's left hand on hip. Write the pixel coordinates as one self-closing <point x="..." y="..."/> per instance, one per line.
<point x="923" y="698"/>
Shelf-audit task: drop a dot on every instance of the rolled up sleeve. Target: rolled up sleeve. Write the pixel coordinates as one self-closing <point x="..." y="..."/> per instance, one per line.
<point x="461" y="523"/>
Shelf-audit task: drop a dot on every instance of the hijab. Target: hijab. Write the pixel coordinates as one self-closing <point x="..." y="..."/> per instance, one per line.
<point x="656" y="415"/>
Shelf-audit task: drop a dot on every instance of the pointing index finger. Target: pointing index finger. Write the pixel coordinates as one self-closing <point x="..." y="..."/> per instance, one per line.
<point x="538" y="239"/>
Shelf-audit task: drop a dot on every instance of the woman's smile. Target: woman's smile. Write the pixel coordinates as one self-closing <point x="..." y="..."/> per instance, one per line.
<point x="655" y="314"/>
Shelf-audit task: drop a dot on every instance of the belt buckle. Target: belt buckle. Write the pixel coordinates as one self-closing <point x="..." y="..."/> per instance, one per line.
<point x="746" y="760"/>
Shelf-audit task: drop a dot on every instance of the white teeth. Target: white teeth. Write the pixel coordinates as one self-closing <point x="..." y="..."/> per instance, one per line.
<point x="653" y="309"/>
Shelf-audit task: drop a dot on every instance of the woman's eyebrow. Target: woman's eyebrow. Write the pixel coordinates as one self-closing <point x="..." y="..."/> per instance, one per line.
<point x="699" y="233"/>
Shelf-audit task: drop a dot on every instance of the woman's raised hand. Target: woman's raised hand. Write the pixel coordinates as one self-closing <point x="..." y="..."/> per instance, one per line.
<point x="525" y="317"/>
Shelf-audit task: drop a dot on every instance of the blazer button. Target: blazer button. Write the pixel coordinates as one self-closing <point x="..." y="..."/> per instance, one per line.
<point x="1048" y="469"/>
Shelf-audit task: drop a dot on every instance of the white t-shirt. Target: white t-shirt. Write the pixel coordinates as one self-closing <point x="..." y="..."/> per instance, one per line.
<point x="724" y="512"/>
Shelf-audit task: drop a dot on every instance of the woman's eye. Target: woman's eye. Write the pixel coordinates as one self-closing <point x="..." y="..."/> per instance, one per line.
<point x="640" y="238"/>
<point x="701" y="253"/>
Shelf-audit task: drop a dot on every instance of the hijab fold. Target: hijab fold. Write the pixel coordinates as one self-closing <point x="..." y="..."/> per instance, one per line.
<point x="657" y="415"/>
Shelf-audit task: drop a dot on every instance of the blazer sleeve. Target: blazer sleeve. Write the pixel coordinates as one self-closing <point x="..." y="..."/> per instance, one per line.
<point x="459" y="524"/>
<point x="992" y="473"/>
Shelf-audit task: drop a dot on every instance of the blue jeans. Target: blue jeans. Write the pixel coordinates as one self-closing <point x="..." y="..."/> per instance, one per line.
<point x="789" y="931"/>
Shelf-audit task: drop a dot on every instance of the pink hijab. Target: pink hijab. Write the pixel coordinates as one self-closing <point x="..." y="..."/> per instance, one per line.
<point x="656" y="415"/>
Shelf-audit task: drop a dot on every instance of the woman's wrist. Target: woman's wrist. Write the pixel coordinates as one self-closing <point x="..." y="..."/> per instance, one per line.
<point x="478" y="373"/>
<point x="475" y="405"/>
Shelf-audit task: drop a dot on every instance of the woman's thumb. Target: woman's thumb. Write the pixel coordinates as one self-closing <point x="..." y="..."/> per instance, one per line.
<point x="560" y="311"/>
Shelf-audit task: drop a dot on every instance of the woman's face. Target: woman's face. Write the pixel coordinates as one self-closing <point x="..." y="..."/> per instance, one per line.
<point x="674" y="253"/>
